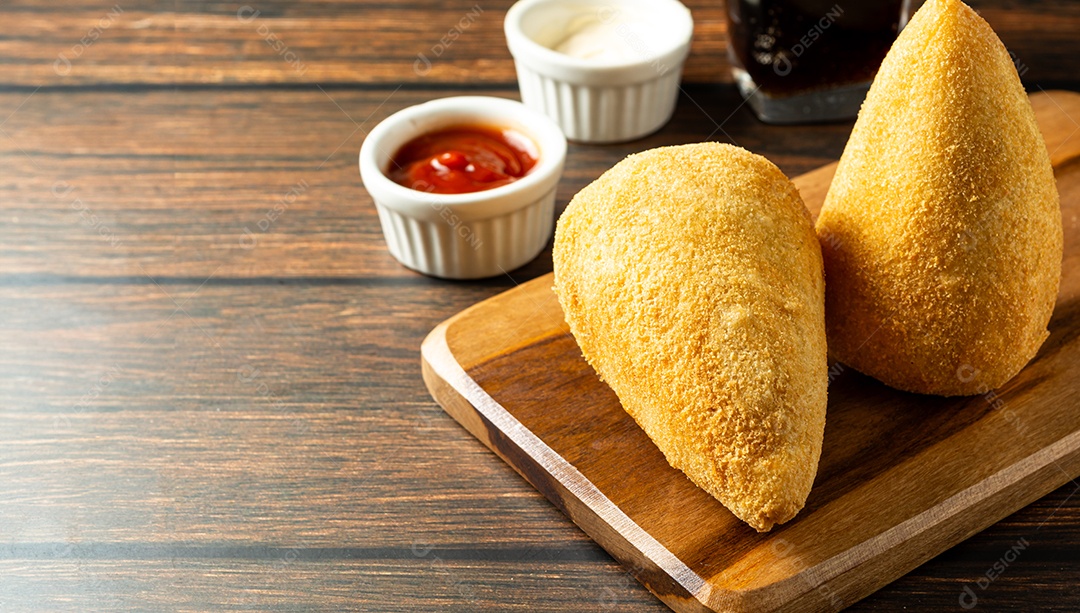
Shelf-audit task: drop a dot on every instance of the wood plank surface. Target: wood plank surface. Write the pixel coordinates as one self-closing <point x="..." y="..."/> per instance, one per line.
<point x="270" y="445"/>
<point x="351" y="41"/>
<point x="198" y="167"/>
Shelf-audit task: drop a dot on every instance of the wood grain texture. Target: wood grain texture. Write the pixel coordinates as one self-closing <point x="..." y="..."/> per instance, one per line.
<point x="173" y="179"/>
<point x="143" y="462"/>
<point x="139" y="471"/>
<point x="353" y="41"/>
<point x="902" y="476"/>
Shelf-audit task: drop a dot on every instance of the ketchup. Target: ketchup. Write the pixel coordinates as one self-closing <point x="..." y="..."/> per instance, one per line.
<point x="463" y="159"/>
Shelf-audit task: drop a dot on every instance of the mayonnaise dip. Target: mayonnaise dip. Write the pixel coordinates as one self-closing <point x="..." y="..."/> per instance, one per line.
<point x="610" y="36"/>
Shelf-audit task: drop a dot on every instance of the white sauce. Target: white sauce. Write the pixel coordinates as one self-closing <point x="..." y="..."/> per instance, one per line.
<point x="613" y="39"/>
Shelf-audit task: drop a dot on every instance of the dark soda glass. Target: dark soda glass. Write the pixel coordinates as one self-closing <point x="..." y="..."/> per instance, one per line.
<point x="809" y="60"/>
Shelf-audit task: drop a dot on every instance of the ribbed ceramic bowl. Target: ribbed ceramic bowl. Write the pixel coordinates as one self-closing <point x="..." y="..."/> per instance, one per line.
<point x="601" y="101"/>
<point x="465" y="236"/>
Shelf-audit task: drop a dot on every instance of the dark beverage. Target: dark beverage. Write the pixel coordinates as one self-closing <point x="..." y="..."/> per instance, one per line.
<point x="818" y="55"/>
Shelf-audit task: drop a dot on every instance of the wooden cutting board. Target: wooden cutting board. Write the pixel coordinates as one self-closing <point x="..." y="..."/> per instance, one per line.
<point x="902" y="476"/>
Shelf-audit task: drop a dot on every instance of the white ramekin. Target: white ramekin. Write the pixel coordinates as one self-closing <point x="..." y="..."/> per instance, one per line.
<point x="596" y="101"/>
<point x="465" y="236"/>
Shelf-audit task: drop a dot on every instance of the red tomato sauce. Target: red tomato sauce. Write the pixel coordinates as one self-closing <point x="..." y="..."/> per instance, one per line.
<point x="463" y="159"/>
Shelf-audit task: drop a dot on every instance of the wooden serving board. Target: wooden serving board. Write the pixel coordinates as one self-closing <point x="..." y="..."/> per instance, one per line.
<point x="902" y="476"/>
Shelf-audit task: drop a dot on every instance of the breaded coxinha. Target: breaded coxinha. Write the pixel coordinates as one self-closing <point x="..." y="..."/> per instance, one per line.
<point x="692" y="280"/>
<point x="942" y="230"/>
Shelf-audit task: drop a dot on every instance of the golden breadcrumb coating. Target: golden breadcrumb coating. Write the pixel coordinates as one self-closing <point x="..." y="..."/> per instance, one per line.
<point x="942" y="230"/>
<point x="692" y="280"/>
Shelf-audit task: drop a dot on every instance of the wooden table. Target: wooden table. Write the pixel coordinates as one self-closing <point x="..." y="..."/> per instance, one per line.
<point x="210" y="393"/>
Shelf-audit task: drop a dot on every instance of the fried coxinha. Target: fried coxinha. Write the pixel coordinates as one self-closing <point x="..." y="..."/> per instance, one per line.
<point x="692" y="280"/>
<point x="941" y="231"/>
